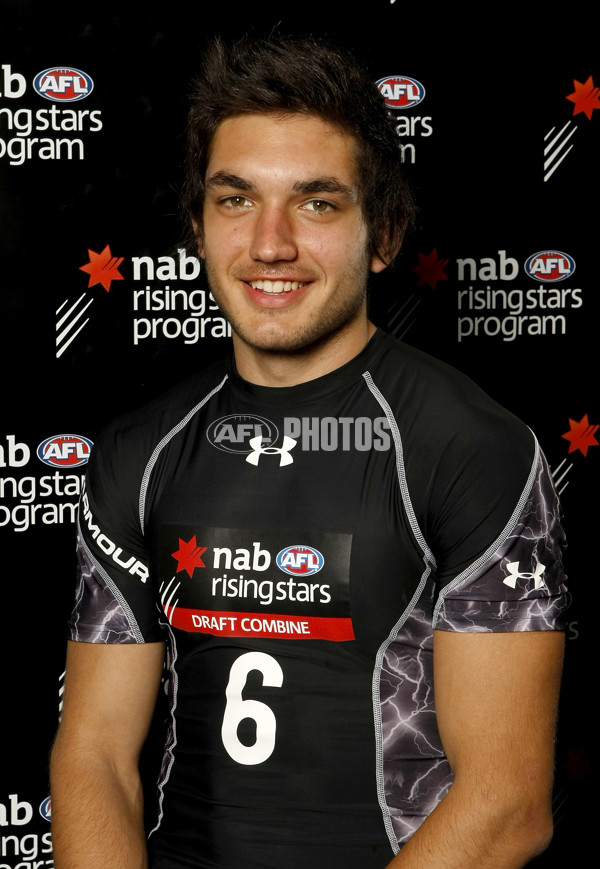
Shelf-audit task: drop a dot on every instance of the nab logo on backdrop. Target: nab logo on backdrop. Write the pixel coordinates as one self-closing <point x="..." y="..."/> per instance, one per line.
<point x="509" y="312"/>
<point x="63" y="84"/>
<point x="401" y="92"/>
<point x="550" y="266"/>
<point x="60" y="451"/>
<point x="27" y="132"/>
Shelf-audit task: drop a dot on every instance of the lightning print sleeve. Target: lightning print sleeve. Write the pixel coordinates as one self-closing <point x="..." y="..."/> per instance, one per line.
<point x="518" y="583"/>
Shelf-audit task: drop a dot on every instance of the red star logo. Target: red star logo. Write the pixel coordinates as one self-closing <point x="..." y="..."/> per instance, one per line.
<point x="103" y="268"/>
<point x="585" y="96"/>
<point x="581" y="435"/>
<point x="189" y="555"/>
<point x="431" y="269"/>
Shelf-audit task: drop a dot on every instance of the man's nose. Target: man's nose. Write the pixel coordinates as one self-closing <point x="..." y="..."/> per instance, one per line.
<point x="273" y="237"/>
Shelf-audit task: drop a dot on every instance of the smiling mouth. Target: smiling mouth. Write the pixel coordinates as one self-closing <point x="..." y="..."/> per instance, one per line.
<point x="276" y="287"/>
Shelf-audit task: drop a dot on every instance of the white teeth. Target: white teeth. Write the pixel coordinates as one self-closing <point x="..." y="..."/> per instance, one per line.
<point x="275" y="287"/>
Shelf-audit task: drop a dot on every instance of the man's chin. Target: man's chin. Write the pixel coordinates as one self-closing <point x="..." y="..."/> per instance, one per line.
<point x="287" y="331"/>
<point x="292" y="342"/>
<point x="280" y="343"/>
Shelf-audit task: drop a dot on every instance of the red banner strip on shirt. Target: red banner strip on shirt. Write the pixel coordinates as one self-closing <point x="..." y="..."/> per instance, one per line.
<point x="232" y="624"/>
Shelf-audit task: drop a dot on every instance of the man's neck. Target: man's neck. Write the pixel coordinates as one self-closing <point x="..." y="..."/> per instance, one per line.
<point x="289" y="369"/>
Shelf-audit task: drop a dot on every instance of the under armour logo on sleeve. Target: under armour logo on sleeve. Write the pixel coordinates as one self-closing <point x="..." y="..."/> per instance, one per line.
<point x="283" y="452"/>
<point x="513" y="569"/>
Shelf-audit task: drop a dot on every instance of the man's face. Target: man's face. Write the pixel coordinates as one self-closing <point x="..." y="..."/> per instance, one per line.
<point x="284" y="239"/>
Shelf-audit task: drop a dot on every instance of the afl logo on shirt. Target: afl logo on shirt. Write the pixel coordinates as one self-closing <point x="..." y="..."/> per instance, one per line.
<point x="233" y="433"/>
<point x="300" y="560"/>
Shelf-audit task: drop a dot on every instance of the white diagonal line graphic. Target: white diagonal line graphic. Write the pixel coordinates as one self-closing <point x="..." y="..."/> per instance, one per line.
<point x="557" y="479"/>
<point x="71" y="309"/>
<point x="71" y="318"/>
<point x="555" y="146"/>
<point x="399" y="327"/>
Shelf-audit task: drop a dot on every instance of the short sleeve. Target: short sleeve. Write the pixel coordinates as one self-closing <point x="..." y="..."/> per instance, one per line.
<point x="518" y="582"/>
<point x="114" y="597"/>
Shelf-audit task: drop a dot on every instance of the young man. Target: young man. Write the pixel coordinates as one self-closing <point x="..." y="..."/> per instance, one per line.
<point x="318" y="529"/>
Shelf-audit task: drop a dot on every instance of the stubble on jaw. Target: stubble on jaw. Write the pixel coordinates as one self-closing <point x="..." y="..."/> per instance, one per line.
<point x="275" y="336"/>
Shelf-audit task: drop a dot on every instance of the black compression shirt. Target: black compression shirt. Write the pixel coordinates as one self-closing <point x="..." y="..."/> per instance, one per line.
<point x="295" y="548"/>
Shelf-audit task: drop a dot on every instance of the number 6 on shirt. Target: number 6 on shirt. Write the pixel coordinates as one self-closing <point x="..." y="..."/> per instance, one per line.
<point x="237" y="709"/>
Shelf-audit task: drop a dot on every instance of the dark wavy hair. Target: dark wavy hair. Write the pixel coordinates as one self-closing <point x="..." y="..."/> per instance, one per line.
<point x="301" y="75"/>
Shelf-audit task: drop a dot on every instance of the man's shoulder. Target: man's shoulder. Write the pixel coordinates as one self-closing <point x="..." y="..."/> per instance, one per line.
<point x="134" y="435"/>
<point x="402" y="364"/>
<point x="170" y="406"/>
<point x="444" y="419"/>
<point x="435" y="392"/>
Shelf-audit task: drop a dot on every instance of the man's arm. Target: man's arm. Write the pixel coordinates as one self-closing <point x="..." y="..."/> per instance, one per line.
<point x="496" y="698"/>
<point x="97" y="805"/>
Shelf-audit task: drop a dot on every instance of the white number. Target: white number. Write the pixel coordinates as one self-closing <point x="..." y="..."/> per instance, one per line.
<point x="237" y="709"/>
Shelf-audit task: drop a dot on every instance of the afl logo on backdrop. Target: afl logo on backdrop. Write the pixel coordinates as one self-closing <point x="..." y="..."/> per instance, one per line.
<point x="233" y="433"/>
<point x="300" y="560"/>
<point x="550" y="265"/>
<point x="63" y="84"/>
<point x="401" y="92"/>
<point x="65" y="451"/>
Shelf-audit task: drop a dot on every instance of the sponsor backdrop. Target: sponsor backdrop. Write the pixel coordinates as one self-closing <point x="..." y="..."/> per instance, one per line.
<point x="102" y="309"/>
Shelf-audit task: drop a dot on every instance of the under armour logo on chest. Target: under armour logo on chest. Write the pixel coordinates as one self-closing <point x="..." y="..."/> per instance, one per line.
<point x="283" y="452"/>
<point x="513" y="569"/>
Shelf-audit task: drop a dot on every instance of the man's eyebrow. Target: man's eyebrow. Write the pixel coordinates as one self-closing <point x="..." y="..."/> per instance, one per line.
<point x="226" y="179"/>
<point x="325" y="185"/>
<point x="305" y="188"/>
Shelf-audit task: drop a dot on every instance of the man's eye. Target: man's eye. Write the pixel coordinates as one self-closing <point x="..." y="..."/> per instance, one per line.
<point x="237" y="201"/>
<point x="320" y="206"/>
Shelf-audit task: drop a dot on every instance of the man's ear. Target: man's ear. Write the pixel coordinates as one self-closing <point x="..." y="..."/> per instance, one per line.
<point x="199" y="239"/>
<point x="377" y="264"/>
<point x="386" y="252"/>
